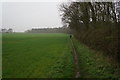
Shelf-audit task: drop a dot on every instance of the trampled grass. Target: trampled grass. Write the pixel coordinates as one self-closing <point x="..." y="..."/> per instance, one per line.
<point x="36" y="56"/>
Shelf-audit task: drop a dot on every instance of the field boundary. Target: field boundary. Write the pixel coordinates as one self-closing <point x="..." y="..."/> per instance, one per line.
<point x="76" y="60"/>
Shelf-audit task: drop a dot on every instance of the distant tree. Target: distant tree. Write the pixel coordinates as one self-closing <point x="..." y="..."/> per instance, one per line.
<point x="10" y="30"/>
<point x="4" y="30"/>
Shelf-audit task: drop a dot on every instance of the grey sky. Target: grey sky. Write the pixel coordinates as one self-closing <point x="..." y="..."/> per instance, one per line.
<point x="0" y="14"/>
<point x="26" y="15"/>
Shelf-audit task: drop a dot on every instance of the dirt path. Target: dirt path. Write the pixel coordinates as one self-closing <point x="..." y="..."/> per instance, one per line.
<point x="76" y="61"/>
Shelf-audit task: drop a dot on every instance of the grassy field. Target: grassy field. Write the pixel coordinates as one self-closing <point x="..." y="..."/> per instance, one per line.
<point x="37" y="56"/>
<point x="49" y="56"/>
<point x="0" y="55"/>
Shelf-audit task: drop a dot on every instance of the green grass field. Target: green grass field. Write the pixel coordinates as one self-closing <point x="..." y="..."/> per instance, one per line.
<point x="28" y="55"/>
<point x="0" y="55"/>
<point x="36" y="56"/>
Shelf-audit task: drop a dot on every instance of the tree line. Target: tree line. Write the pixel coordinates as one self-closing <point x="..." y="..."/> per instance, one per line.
<point x="95" y="24"/>
<point x="75" y="13"/>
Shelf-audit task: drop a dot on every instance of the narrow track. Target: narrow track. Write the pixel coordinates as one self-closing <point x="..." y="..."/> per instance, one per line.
<point x="76" y="60"/>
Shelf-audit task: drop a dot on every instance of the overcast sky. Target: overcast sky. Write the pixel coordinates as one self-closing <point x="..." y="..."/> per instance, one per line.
<point x="0" y="14"/>
<point x="26" y="15"/>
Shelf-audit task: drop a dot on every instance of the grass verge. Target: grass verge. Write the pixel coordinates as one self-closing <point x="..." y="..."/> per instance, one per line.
<point x="94" y="64"/>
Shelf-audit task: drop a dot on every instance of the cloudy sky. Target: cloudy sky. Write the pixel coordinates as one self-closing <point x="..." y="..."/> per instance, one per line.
<point x="26" y="15"/>
<point x="0" y="14"/>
